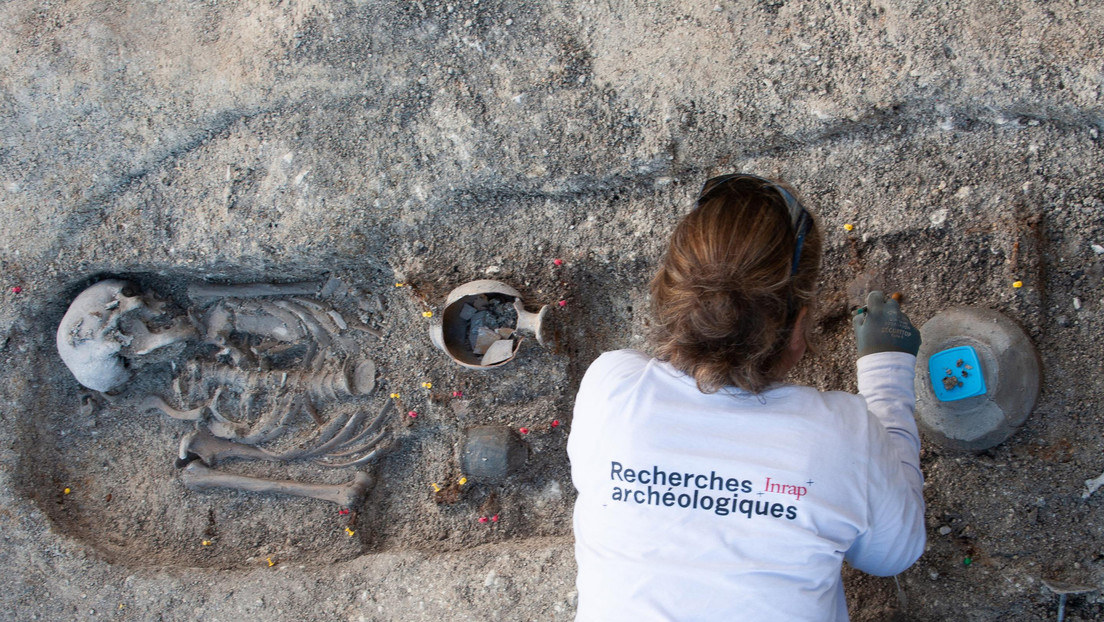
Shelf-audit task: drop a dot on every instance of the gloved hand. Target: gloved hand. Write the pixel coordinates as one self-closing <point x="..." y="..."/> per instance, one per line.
<point x="881" y="326"/>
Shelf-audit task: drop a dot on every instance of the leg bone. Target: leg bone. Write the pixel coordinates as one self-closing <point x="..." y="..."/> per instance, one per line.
<point x="351" y="495"/>
<point x="209" y="291"/>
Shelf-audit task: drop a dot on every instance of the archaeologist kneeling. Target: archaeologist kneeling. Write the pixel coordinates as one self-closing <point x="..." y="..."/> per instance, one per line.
<point x="708" y="488"/>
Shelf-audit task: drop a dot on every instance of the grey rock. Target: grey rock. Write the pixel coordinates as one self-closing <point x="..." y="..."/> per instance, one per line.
<point x="492" y="453"/>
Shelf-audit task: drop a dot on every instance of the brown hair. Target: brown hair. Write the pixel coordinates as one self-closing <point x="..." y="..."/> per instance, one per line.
<point x="724" y="300"/>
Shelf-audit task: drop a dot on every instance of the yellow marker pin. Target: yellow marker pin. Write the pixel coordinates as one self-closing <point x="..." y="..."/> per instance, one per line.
<point x="427" y="314"/>
<point x="394" y="396"/>
<point x="67" y="491"/>
<point x="427" y="385"/>
<point x="270" y="562"/>
<point x="206" y="543"/>
<point x="1017" y="284"/>
<point x="350" y="532"/>
<point x="462" y="481"/>
<point x="848" y="227"/>
<point x="400" y="284"/>
<point x="436" y="488"/>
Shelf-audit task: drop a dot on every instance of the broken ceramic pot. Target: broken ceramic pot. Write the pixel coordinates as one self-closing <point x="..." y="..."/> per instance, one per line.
<point x="995" y="399"/>
<point x="483" y="324"/>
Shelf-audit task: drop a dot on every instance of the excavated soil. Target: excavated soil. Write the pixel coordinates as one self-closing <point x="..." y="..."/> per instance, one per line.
<point x="431" y="144"/>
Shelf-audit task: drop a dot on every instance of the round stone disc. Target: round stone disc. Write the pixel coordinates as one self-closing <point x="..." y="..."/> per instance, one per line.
<point x="491" y="453"/>
<point x="1012" y="371"/>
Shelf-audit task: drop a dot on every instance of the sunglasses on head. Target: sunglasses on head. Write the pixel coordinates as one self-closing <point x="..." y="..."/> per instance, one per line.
<point x="800" y="218"/>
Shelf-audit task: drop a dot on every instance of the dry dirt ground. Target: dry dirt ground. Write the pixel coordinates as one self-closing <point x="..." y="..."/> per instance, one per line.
<point x="432" y="143"/>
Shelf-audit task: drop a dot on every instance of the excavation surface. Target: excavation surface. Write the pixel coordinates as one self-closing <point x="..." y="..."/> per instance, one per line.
<point x="954" y="148"/>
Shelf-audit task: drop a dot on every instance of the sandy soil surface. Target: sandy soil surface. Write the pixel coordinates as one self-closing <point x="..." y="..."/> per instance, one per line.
<point x="433" y="143"/>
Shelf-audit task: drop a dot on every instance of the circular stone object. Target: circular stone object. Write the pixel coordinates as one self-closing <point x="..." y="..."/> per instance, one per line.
<point x="491" y="453"/>
<point x="1009" y="364"/>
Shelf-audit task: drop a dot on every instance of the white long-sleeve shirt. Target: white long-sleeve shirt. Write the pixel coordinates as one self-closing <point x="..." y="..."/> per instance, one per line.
<point x="734" y="506"/>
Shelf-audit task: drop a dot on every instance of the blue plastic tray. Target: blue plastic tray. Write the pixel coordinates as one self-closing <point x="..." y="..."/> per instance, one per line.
<point x="963" y="365"/>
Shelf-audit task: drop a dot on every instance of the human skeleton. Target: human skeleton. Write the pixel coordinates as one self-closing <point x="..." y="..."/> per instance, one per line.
<point x="266" y="372"/>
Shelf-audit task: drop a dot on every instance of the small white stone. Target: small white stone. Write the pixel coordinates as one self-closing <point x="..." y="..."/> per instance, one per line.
<point x="550" y="494"/>
<point x="938" y="217"/>
<point x="492" y="270"/>
<point x="1098" y="249"/>
<point x="1077" y="304"/>
<point x="944" y="530"/>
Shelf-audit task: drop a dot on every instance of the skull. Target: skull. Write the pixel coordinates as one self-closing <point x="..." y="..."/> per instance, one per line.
<point x="106" y="327"/>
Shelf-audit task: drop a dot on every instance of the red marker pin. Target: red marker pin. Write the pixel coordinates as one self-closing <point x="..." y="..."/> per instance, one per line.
<point x="412" y="414"/>
<point x="555" y="423"/>
<point x="494" y="519"/>
<point x="483" y="519"/>
<point x="523" y="430"/>
<point x="563" y="303"/>
<point x="558" y="262"/>
<point x="17" y="290"/>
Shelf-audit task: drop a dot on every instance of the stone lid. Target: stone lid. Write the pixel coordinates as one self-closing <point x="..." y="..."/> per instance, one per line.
<point x="1012" y="374"/>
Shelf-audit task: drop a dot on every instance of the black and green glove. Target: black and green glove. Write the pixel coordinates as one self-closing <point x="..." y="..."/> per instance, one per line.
<point x="881" y="326"/>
